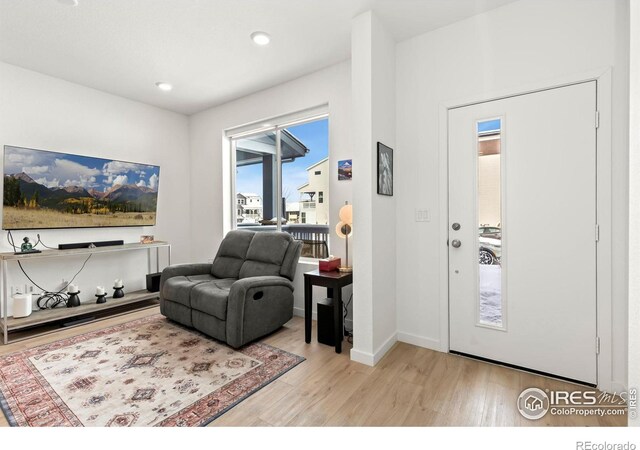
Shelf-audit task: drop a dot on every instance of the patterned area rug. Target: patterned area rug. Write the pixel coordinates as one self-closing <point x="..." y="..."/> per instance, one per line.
<point x="149" y="372"/>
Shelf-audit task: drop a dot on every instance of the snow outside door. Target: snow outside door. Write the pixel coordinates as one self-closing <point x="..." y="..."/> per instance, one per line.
<point x="522" y="231"/>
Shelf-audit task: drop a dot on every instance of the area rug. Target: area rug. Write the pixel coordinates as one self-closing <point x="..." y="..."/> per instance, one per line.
<point x="149" y="372"/>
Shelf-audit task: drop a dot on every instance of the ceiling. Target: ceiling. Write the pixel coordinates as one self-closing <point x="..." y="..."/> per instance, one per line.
<point x="202" y="47"/>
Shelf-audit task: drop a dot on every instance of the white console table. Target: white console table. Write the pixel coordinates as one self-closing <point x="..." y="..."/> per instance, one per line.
<point x="44" y="321"/>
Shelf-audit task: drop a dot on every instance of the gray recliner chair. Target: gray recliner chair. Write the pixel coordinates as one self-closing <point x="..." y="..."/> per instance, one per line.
<point x="245" y="294"/>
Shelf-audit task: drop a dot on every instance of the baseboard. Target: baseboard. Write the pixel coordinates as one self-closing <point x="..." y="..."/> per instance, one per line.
<point x="371" y="359"/>
<point x="384" y="348"/>
<point x="420" y="341"/>
<point x="615" y="387"/>
<point x="362" y="357"/>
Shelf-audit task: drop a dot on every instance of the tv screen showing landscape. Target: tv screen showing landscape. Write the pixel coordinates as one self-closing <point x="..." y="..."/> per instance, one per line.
<point x="44" y="189"/>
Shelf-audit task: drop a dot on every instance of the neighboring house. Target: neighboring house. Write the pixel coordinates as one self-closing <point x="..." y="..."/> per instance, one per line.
<point x="260" y="150"/>
<point x="314" y="194"/>
<point x="249" y="207"/>
<point x="292" y="212"/>
<point x="239" y="213"/>
<point x="489" y="163"/>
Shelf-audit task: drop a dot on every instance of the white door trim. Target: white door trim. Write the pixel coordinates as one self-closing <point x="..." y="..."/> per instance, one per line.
<point x="603" y="79"/>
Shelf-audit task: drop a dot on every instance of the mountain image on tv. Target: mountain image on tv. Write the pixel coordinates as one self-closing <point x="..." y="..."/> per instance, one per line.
<point x="45" y="189"/>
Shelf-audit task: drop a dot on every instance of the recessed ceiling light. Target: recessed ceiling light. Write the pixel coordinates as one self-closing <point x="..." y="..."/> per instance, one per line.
<point x="69" y="2"/>
<point x="260" y="37"/>
<point x="164" y="86"/>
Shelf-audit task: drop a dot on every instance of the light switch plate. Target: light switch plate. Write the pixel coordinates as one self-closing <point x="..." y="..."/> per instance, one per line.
<point x="422" y="215"/>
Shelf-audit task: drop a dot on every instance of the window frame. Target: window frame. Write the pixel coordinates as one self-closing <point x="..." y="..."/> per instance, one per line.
<point x="276" y="124"/>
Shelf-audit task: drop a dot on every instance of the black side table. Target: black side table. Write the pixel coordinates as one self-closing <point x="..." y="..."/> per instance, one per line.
<point x="334" y="282"/>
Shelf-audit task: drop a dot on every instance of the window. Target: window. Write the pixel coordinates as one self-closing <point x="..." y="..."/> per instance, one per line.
<point x="489" y="175"/>
<point x="283" y="174"/>
<point x="255" y="177"/>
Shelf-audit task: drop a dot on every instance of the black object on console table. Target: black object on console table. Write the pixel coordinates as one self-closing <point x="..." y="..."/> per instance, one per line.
<point x="89" y="244"/>
<point x="73" y="300"/>
<point x="153" y="281"/>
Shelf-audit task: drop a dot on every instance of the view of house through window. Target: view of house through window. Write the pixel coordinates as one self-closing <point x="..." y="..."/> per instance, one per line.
<point x="255" y="161"/>
<point x="490" y="222"/>
<point x="302" y="201"/>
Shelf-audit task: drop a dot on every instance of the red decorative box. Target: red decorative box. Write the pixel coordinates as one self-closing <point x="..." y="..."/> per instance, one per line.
<point x="329" y="265"/>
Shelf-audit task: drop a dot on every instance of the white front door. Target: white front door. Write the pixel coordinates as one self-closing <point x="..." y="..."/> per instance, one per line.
<point x="522" y="231"/>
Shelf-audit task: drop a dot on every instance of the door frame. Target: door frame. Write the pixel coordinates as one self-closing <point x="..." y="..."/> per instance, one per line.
<point x="604" y="331"/>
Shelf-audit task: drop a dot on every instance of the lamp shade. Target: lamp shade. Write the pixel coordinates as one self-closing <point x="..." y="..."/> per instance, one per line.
<point x="344" y="229"/>
<point x="346" y="214"/>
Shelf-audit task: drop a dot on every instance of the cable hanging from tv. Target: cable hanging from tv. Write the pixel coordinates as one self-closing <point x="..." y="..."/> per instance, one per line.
<point x="48" y="299"/>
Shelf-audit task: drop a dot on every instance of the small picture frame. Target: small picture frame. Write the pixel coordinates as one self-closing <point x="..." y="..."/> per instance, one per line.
<point x="385" y="170"/>
<point x="345" y="170"/>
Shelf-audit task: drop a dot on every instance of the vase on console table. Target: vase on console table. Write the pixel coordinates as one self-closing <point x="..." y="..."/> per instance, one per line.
<point x="73" y="299"/>
<point x="118" y="287"/>
<point x="101" y="295"/>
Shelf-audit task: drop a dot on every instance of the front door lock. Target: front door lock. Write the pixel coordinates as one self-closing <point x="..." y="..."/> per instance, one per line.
<point x="455" y="226"/>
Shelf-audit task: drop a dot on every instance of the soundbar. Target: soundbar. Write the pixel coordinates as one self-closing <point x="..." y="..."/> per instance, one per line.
<point x="89" y="244"/>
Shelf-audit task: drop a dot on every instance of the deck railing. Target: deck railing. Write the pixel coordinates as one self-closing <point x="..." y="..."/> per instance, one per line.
<point x="315" y="238"/>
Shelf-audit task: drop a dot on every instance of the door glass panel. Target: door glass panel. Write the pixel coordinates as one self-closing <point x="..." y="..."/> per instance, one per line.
<point x="490" y="307"/>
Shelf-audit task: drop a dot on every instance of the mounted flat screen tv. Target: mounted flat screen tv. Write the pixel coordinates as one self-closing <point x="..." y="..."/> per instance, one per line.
<point x="45" y="189"/>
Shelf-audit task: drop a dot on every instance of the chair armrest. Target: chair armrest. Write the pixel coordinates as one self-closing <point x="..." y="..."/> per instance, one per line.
<point x="240" y="287"/>
<point x="257" y="306"/>
<point x="183" y="270"/>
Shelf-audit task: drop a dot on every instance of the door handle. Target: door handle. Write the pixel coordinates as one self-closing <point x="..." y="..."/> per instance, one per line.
<point x="456" y="243"/>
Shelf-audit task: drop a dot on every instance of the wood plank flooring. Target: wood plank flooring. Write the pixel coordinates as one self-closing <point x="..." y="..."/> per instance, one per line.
<point x="410" y="386"/>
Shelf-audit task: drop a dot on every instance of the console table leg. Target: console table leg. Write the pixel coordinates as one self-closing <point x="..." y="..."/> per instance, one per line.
<point x="5" y="295"/>
<point x="308" y="306"/>
<point x="337" y="319"/>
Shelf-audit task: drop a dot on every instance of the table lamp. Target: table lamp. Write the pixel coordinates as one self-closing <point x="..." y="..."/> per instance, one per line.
<point x="344" y="229"/>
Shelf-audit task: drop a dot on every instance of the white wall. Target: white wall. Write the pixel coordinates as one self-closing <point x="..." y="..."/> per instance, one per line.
<point x="211" y="171"/>
<point x="383" y="207"/>
<point x="620" y="191"/>
<point x="634" y="205"/>
<point x="373" y="89"/>
<point x="361" y="124"/>
<point x="523" y="43"/>
<point x="42" y="112"/>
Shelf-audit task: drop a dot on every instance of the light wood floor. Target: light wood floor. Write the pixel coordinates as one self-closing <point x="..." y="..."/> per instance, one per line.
<point x="410" y="386"/>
